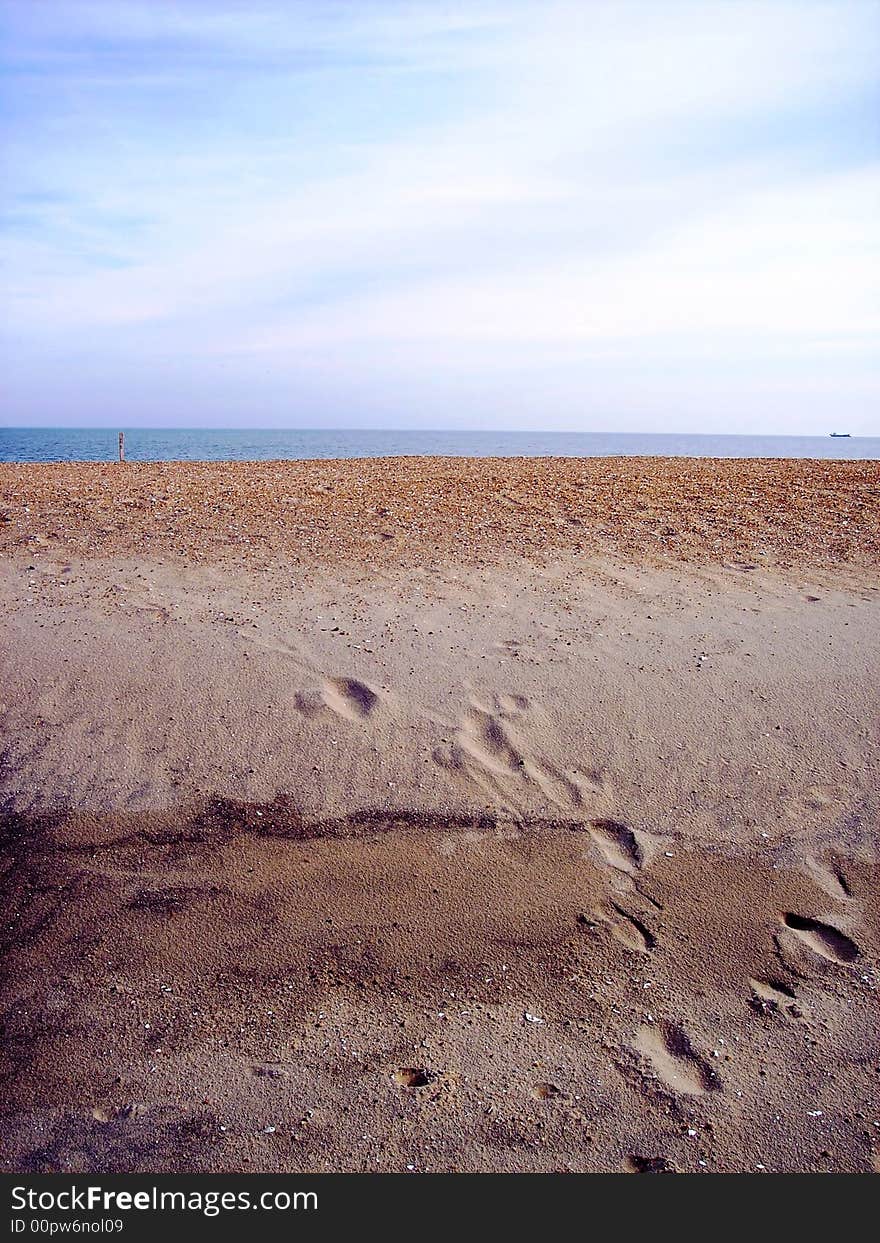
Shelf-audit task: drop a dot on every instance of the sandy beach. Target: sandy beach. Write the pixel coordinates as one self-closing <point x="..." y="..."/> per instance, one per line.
<point x="440" y="814"/>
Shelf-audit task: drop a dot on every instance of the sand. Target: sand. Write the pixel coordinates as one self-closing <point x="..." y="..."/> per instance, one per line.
<point x="453" y="815"/>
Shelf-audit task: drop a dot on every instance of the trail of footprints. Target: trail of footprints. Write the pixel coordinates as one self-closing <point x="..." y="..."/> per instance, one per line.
<point x="664" y="1046"/>
<point x="489" y="752"/>
<point x="819" y="938"/>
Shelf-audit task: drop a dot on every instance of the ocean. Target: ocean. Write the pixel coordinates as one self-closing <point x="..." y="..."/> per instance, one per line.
<point x="54" y="444"/>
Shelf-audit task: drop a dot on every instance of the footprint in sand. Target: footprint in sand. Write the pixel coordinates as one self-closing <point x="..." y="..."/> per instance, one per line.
<point x="830" y="878"/>
<point x="625" y="927"/>
<point x="484" y="738"/>
<point x="774" y="996"/>
<point x="630" y="931"/>
<point x="546" y="1091"/>
<point x="488" y="751"/>
<point x="823" y="939"/>
<point x="676" y="1064"/>
<point x="412" y="1077"/>
<point x="347" y="697"/>
<point x="618" y="845"/>
<point x="650" y="1165"/>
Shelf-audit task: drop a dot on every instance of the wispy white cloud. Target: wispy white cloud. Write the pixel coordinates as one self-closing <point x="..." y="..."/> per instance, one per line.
<point x="626" y="206"/>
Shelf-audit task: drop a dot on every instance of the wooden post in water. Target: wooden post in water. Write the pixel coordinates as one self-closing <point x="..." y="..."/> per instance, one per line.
<point x="122" y="446"/>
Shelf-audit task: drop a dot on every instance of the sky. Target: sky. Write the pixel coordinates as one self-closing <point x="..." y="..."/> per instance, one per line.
<point x="590" y="215"/>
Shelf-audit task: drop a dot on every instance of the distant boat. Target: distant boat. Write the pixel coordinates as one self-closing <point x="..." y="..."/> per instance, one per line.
<point x="840" y="435"/>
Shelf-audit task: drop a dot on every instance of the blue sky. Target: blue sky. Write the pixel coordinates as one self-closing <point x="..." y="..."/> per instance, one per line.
<point x="587" y="216"/>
